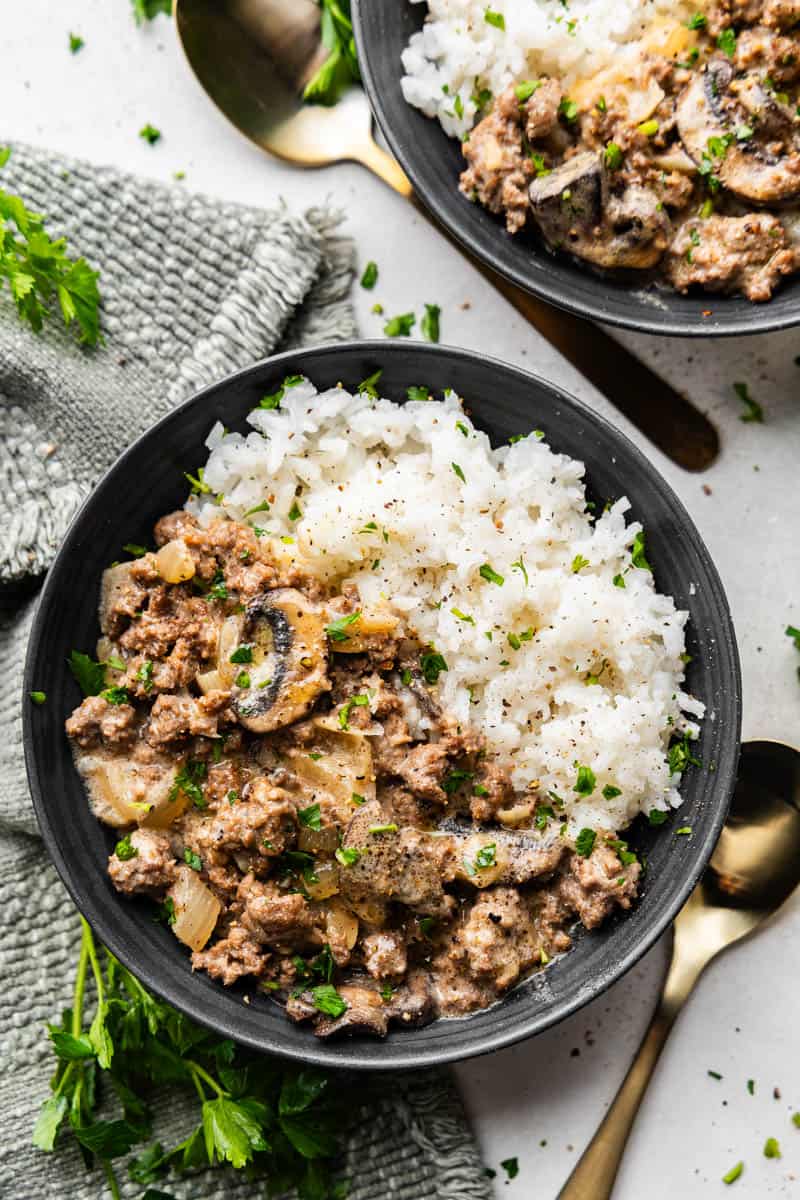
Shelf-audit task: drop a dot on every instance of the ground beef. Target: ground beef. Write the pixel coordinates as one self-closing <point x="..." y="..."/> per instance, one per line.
<point x="174" y="718"/>
<point x="594" y="886"/>
<point x="98" y="722"/>
<point x="232" y="957"/>
<point x="150" y="871"/>
<point x="726" y="254"/>
<point x="272" y="917"/>
<point x="498" y="173"/>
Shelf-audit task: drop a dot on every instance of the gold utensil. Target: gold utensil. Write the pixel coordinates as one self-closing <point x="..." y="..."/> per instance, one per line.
<point x="754" y="869"/>
<point x="253" y="58"/>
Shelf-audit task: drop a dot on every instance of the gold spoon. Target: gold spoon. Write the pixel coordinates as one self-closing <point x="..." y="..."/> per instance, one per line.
<point x="253" y="58"/>
<point x="753" y="870"/>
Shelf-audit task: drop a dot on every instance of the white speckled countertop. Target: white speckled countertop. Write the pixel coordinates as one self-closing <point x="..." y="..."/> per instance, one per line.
<point x="539" y="1101"/>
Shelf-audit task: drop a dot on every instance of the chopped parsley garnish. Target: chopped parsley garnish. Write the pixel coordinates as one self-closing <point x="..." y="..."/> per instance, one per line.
<point x="145" y="676"/>
<point x="519" y="565"/>
<point x="679" y="756"/>
<point x="76" y="43"/>
<point x="649" y="128"/>
<point x="480" y="790"/>
<point x="243" y="680"/>
<point x="150" y="134"/>
<point x="419" y="394"/>
<point x="91" y="675"/>
<point x="370" y="276"/>
<point x="458" y="471"/>
<point x="357" y="799"/>
<point x="714" y="1074"/>
<point x="348" y="856"/>
<point x="494" y="18"/>
<point x="610" y="792"/>
<point x="310" y="817"/>
<point x="543" y="813"/>
<point x="38" y="697"/>
<point x="734" y="1173"/>
<point x="135" y="550"/>
<point x="426" y="925"/>
<point x="511" y="1167"/>
<point x="192" y="860"/>
<point x="461" y="427"/>
<point x="751" y="1086"/>
<point x="125" y="849"/>
<point x="657" y="816"/>
<point x="401" y="325"/>
<point x="486" y="857"/>
<point x="523" y="91"/>
<point x="326" y="998"/>
<point x="188" y="780"/>
<point x="146" y="10"/>
<point x="637" y="553"/>
<point x="585" y="782"/>
<point x="166" y="911"/>
<point x="116" y="695"/>
<point x="618" y="581"/>
<point x="796" y="1120"/>
<point x="390" y="827"/>
<point x="431" y="664"/>
<point x="387" y="991"/>
<point x="369" y="386"/>
<point x="568" y="109"/>
<point x="337" y="630"/>
<point x="243" y="653"/>
<point x="429" y="325"/>
<point x="257" y="508"/>
<point x="452" y="781"/>
<point x="359" y="701"/>
<point x="232" y="796"/>
<point x="753" y="413"/>
<point x="295" y="512"/>
<point x="488" y="573"/>
<point x="726" y="42"/>
<point x="218" y="589"/>
<point x="613" y="156"/>
<point x="578" y="563"/>
<point x="685" y="830"/>
<point x="462" y="616"/>
<point x="584" y="843"/>
<point x="772" y="1148"/>
<point x="698" y="21"/>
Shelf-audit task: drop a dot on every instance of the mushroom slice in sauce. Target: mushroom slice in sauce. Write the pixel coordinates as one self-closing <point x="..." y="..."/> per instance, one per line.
<point x="577" y="209"/>
<point x="288" y="666"/>
<point x="714" y="113"/>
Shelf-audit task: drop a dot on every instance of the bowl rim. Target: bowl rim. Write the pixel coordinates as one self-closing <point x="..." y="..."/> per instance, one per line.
<point x="760" y="318"/>
<point x="320" y="1054"/>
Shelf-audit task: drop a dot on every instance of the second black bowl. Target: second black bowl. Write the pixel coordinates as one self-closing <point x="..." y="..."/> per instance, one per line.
<point x="433" y="163"/>
<point x="148" y="481"/>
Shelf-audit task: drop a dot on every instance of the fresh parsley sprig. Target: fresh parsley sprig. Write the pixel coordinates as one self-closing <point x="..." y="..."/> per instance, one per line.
<point x="40" y="272"/>
<point x="340" y="68"/>
<point x="276" y="1121"/>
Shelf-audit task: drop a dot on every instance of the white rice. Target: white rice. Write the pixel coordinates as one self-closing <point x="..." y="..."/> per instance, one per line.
<point x="382" y="506"/>
<point x="458" y="52"/>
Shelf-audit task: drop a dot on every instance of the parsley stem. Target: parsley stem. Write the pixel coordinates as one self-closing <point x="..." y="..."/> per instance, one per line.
<point x="111" y="1179"/>
<point x="196" y="1070"/>
<point x="80" y="981"/>
<point x="92" y="953"/>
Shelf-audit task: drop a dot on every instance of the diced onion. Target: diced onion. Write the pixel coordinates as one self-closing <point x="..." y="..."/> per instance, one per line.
<point x="327" y="884"/>
<point x="341" y="926"/>
<point x="175" y="562"/>
<point x="209" y="681"/>
<point x="229" y="636"/>
<point x="196" y="909"/>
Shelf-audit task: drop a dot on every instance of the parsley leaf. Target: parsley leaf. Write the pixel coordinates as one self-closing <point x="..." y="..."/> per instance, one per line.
<point x="232" y="1129"/>
<point x="76" y="43"/>
<point x="488" y="573"/>
<point x="328" y="1001"/>
<point x="91" y="675"/>
<point x="432" y="664"/>
<point x="429" y="325"/>
<point x="145" y="10"/>
<point x="584" y="843"/>
<point x="400" y="326"/>
<point x="360" y="700"/>
<point x="150" y="134"/>
<point x="753" y="413"/>
<point x="370" y="276"/>
<point x="585" y="782"/>
<point x="310" y="817"/>
<point x="340" y="68"/>
<point x="125" y="849"/>
<point x="336" y="631"/>
<point x="40" y="273"/>
<point x="418" y="393"/>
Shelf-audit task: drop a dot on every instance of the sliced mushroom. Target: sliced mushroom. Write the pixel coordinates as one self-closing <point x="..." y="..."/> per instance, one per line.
<point x="394" y="863"/>
<point x="578" y="210"/>
<point x="483" y="857"/>
<point x="288" y="669"/>
<point x="763" y="166"/>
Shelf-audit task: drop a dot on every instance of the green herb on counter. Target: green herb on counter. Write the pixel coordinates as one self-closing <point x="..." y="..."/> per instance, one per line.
<point x="734" y="1173"/>
<point x="429" y="325"/>
<point x="145" y="10"/>
<point x="753" y="413"/>
<point x="150" y="134"/>
<point x="370" y="276"/>
<point x="76" y="43"/>
<point x="400" y="326"/>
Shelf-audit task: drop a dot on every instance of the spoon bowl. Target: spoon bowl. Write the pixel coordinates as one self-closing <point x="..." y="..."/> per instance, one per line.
<point x="753" y="871"/>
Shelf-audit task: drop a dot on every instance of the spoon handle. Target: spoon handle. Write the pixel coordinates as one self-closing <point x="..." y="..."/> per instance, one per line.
<point x="667" y="418"/>
<point x="596" y="1171"/>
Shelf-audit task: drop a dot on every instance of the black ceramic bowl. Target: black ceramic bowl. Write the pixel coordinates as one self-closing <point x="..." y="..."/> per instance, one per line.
<point x="147" y="481"/>
<point x="433" y="163"/>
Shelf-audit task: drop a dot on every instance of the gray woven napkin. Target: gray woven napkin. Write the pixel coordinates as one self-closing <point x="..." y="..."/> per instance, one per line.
<point x="192" y="289"/>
